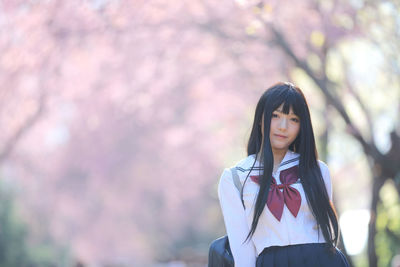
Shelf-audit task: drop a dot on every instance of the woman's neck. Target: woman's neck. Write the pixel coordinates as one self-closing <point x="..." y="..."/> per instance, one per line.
<point x="278" y="157"/>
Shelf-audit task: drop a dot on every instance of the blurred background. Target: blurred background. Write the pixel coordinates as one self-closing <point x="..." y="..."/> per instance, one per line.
<point x="118" y="118"/>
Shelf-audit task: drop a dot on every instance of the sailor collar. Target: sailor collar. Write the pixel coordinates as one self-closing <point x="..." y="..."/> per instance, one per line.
<point x="289" y="160"/>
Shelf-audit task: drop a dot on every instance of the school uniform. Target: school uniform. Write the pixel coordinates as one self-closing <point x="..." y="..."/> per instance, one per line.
<point x="287" y="233"/>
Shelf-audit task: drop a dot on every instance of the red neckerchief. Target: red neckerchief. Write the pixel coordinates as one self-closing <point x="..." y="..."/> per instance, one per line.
<point x="290" y="195"/>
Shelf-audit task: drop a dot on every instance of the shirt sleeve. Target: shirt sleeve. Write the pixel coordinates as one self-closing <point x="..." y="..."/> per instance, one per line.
<point x="244" y="254"/>
<point x="327" y="178"/>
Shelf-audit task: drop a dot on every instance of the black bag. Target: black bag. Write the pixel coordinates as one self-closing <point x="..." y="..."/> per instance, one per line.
<point x="220" y="254"/>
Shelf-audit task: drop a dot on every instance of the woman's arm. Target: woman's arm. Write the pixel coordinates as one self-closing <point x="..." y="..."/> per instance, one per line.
<point x="235" y="222"/>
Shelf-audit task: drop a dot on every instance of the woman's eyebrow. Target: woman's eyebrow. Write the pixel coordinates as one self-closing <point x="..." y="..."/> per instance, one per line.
<point x="280" y="111"/>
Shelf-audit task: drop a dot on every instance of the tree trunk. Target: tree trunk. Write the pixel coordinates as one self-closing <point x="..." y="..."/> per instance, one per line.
<point x="372" y="258"/>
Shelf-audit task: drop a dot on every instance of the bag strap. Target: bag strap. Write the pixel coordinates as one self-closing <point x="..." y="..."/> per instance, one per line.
<point x="237" y="183"/>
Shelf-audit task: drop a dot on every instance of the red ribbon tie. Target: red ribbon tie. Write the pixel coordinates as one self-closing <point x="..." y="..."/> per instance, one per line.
<point x="290" y="195"/>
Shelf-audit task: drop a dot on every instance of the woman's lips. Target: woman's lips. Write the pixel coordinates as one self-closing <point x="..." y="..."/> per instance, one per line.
<point x="281" y="136"/>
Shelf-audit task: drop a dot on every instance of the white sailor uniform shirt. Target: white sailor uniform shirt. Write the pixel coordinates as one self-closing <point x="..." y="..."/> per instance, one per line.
<point x="270" y="231"/>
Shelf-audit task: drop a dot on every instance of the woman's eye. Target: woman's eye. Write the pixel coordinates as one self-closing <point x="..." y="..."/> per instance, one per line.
<point x="295" y="119"/>
<point x="274" y="115"/>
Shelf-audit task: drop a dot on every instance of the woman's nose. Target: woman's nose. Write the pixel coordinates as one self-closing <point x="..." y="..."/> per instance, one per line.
<point x="283" y="123"/>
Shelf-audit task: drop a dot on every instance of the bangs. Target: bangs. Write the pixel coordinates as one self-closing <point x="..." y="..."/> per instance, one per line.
<point x="291" y="99"/>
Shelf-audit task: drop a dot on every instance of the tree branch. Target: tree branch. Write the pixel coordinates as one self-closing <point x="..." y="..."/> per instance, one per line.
<point x="12" y="142"/>
<point x="323" y="84"/>
<point x="363" y="108"/>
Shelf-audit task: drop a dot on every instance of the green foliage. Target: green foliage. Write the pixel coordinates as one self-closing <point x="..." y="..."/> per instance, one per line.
<point x="387" y="225"/>
<point x="13" y="233"/>
<point x="14" y="245"/>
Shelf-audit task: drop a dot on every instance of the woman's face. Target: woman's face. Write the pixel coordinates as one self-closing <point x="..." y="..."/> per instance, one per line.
<point x="283" y="130"/>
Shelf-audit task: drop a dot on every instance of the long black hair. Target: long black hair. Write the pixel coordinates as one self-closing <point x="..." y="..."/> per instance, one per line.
<point x="304" y="144"/>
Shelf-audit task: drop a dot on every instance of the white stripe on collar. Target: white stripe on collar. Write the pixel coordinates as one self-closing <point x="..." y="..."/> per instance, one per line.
<point x="290" y="159"/>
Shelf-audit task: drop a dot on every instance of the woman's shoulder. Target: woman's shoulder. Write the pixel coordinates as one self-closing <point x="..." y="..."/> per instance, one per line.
<point x="241" y="166"/>
<point x="326" y="177"/>
<point x="245" y="162"/>
<point x="323" y="166"/>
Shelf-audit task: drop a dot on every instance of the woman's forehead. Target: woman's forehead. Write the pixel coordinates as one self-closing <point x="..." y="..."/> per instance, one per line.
<point x="281" y="109"/>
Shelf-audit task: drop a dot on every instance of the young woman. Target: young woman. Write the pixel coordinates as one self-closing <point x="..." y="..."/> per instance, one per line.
<point x="287" y="217"/>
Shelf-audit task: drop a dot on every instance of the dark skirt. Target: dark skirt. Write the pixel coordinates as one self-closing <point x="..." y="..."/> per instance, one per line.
<point x="302" y="255"/>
